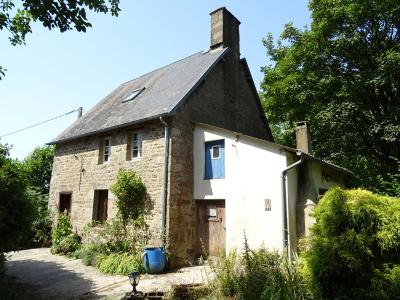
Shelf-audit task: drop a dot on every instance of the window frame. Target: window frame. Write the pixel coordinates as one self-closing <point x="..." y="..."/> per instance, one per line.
<point x="139" y="148"/>
<point x="209" y="160"/>
<point x="68" y="207"/>
<point x="108" y="138"/>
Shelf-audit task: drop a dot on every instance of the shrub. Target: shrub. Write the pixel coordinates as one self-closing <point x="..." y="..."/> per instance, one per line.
<point x="64" y="240"/>
<point x="130" y="192"/>
<point x="353" y="251"/>
<point x="41" y="223"/>
<point x="88" y="254"/>
<point x="119" y="263"/>
<point x="113" y="237"/>
<point x="114" y="248"/>
<point x="259" y="275"/>
<point x="15" y="208"/>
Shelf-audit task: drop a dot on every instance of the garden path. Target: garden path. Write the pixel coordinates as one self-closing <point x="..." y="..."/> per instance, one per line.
<point x="57" y="277"/>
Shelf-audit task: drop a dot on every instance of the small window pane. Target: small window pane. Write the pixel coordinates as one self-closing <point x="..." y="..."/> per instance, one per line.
<point x="137" y="140"/>
<point x="107" y="150"/>
<point x="215" y="152"/>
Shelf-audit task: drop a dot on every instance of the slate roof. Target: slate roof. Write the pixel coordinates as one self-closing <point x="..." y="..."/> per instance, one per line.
<point x="165" y="89"/>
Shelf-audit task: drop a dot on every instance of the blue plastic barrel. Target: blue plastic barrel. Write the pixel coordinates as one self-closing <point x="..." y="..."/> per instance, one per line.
<point x="154" y="260"/>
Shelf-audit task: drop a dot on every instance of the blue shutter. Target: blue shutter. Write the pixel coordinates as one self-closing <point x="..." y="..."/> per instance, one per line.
<point x="214" y="167"/>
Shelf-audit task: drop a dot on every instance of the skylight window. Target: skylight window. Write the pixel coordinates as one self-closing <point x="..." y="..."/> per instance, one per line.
<point x="133" y="95"/>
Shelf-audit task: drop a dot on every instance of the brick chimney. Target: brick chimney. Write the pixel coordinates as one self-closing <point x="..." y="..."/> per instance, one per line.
<point x="303" y="137"/>
<point x="225" y="31"/>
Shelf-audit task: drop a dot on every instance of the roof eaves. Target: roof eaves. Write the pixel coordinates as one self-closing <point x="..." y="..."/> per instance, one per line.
<point x="286" y="148"/>
<point x="318" y="160"/>
<point x="107" y="129"/>
<point x="196" y="85"/>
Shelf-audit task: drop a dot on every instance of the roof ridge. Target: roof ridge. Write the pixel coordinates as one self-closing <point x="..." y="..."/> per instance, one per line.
<point x="174" y="62"/>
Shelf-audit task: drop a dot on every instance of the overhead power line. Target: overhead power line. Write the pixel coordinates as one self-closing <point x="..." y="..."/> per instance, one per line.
<point x="40" y="123"/>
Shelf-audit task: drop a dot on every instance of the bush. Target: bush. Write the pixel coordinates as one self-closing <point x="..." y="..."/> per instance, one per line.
<point x="113" y="236"/>
<point x="41" y="223"/>
<point x="260" y="275"/>
<point x="15" y="208"/>
<point x="353" y="251"/>
<point x="88" y="254"/>
<point x="119" y="263"/>
<point x="114" y="248"/>
<point x="64" y="240"/>
<point x="130" y="192"/>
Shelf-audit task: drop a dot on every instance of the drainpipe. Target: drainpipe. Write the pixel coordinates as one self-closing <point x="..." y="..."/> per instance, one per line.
<point x="165" y="181"/>
<point x="285" y="205"/>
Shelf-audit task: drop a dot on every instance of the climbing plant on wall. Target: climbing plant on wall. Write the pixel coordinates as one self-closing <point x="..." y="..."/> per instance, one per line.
<point x="131" y="193"/>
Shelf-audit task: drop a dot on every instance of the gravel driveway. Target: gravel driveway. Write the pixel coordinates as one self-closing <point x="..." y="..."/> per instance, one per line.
<point x="58" y="277"/>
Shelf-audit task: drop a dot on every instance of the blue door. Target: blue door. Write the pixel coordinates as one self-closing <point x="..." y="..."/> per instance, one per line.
<point x="215" y="160"/>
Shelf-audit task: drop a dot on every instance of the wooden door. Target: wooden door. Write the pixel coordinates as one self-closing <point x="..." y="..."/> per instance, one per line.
<point x="211" y="227"/>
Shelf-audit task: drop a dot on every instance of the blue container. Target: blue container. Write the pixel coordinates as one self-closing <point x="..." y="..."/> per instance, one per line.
<point x="154" y="260"/>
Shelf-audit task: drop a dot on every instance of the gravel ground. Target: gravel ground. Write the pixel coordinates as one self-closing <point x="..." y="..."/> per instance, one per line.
<point x="57" y="277"/>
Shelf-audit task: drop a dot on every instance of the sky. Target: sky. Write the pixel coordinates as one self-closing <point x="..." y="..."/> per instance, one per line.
<point x="55" y="73"/>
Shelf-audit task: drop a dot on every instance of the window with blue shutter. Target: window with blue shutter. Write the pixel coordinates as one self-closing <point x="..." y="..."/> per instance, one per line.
<point x="214" y="160"/>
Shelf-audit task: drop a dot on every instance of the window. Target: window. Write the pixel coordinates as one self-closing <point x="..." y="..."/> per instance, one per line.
<point x="65" y="202"/>
<point x="215" y="151"/>
<point x="107" y="150"/>
<point x="137" y="141"/>
<point x="100" y="205"/>
<point x="214" y="160"/>
<point x="132" y="95"/>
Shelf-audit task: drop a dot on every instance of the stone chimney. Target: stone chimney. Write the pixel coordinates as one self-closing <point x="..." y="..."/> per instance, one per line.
<point x="303" y="137"/>
<point x="225" y="31"/>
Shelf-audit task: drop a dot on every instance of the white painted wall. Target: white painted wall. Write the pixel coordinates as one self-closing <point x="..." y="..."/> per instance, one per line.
<point x="252" y="174"/>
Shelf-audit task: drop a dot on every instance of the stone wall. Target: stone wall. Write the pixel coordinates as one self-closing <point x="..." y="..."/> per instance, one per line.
<point x="76" y="169"/>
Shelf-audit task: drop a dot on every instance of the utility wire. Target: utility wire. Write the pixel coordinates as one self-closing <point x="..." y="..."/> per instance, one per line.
<point x="40" y="123"/>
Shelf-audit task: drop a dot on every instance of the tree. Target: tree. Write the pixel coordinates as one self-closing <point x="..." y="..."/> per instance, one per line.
<point x="15" y="208"/>
<point x="38" y="165"/>
<point x="343" y="76"/>
<point x="64" y="15"/>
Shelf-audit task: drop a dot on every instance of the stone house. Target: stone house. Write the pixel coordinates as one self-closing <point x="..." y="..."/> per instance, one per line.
<point x="172" y="126"/>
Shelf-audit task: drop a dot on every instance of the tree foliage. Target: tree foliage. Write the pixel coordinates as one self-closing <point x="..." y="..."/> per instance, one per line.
<point x="353" y="252"/>
<point x="343" y="76"/>
<point x="38" y="166"/>
<point x="15" y="208"/>
<point x="17" y="17"/>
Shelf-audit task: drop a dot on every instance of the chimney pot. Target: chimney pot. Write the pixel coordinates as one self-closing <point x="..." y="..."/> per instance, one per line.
<point x="303" y="137"/>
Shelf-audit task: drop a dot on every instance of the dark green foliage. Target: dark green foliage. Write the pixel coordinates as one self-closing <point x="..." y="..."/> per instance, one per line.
<point x="260" y="275"/>
<point x="355" y="245"/>
<point x="131" y="195"/>
<point x="38" y="165"/>
<point x="17" y="17"/>
<point x="64" y="240"/>
<point x="41" y="221"/>
<point x="15" y="208"/>
<point x="342" y="75"/>
<point x="389" y="183"/>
